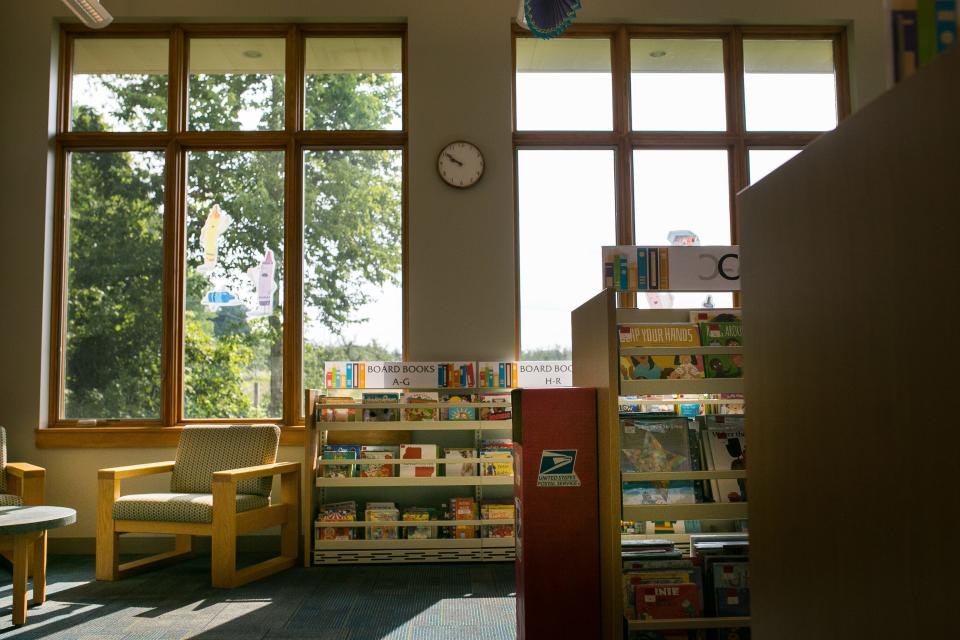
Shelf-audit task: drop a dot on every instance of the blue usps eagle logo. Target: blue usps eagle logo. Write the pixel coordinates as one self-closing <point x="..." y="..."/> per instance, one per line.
<point x="556" y="468"/>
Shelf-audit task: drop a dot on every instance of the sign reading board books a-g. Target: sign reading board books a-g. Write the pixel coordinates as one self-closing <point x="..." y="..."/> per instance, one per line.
<point x="672" y="268"/>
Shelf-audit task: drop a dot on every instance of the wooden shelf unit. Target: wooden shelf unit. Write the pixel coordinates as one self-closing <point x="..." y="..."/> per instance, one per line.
<point x="317" y="551"/>
<point x="596" y="364"/>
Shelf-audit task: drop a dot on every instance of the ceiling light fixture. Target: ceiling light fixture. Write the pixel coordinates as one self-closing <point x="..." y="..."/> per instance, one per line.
<point x="90" y="12"/>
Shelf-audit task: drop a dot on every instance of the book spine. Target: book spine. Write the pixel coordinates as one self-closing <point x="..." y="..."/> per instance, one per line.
<point x="329" y="378"/>
<point x="490" y="377"/>
<point x="946" y="12"/>
<point x="904" y="44"/>
<point x="349" y="375"/>
<point x="664" y="269"/>
<point x="607" y="274"/>
<point x="641" y="269"/>
<point x="926" y="30"/>
<point x="463" y="375"/>
<point x="654" y="268"/>
<point x="470" y="375"/>
<point x="513" y="378"/>
<point x="363" y="375"/>
<point x="502" y="374"/>
<point x="439" y="375"/>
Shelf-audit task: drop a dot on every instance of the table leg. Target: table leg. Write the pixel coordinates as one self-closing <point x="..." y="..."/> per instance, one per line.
<point x="21" y="548"/>
<point x="40" y="568"/>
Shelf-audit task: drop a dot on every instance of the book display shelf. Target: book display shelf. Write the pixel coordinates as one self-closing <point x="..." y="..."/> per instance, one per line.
<point x="597" y="363"/>
<point x="449" y="428"/>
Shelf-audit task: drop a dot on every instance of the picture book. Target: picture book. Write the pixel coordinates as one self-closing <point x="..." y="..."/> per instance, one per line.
<point x="661" y="367"/>
<point x="670" y="601"/>
<point x="464" y="509"/>
<point x="419" y="514"/>
<point x="732" y="601"/>
<point x="378" y="452"/>
<point x="715" y="315"/>
<point x="330" y="412"/>
<point x="422" y="414"/>
<point x="381" y="512"/>
<point x="418" y="452"/>
<point x="731" y="573"/>
<point x="458" y="413"/>
<point x="460" y="469"/>
<point x="725" y="443"/>
<point x="337" y="512"/>
<point x="380" y="414"/>
<point x="340" y="452"/>
<point x="697" y="463"/>
<point x="721" y="334"/>
<point x="497" y="511"/>
<point x="500" y="406"/>
<point x="658" y="335"/>
<point x="633" y="580"/>
<point x="723" y="366"/>
<point x="496" y="463"/>
<point x="654" y="443"/>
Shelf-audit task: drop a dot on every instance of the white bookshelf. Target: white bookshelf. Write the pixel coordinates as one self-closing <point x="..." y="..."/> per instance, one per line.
<point x="319" y="489"/>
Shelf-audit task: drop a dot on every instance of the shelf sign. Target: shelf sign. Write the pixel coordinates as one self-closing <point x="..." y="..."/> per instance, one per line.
<point x="672" y="268"/>
<point x="400" y="375"/>
<point x="534" y="374"/>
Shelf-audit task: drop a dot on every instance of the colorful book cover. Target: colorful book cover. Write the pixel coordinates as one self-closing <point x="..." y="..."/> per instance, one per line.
<point x="500" y="409"/>
<point x="633" y="580"/>
<point x="464" y="509"/>
<point x="381" y="414"/>
<point x="378" y="452"/>
<point x="330" y="412"/>
<point x="418" y="452"/>
<point x="423" y="414"/>
<point x="340" y="452"/>
<point x="653" y="443"/>
<point x="496" y="463"/>
<point x="721" y="334"/>
<point x="419" y="514"/>
<point x="463" y="468"/>
<point x="723" y="366"/>
<point x="715" y="315"/>
<point x="667" y="601"/>
<point x="726" y="441"/>
<point x="662" y="367"/>
<point x="337" y="512"/>
<point x="458" y="413"/>
<point x="497" y="511"/>
<point x="381" y="512"/>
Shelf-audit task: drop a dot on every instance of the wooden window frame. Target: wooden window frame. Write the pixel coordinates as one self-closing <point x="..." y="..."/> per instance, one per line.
<point x="176" y="141"/>
<point x="736" y="140"/>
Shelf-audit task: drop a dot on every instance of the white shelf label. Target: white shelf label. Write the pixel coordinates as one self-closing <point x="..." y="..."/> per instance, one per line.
<point x="535" y="374"/>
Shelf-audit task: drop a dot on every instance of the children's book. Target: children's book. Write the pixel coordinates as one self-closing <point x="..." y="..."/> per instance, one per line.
<point x="419" y="514"/>
<point x="678" y="334"/>
<point x="496" y="455"/>
<point x="418" y="452"/>
<point x="655" y="443"/>
<point x="423" y="414"/>
<point x="330" y="412"/>
<point x="378" y="452"/>
<point x="661" y="367"/>
<point x="497" y="511"/>
<point x="458" y="413"/>
<point x="340" y="452"/>
<point x="381" y="512"/>
<point x="460" y="469"/>
<point x="337" y="512"/>
<point x="724" y="366"/>
<point x="721" y="334"/>
<point x="381" y="414"/>
<point x="715" y="315"/>
<point x="500" y="408"/>
<point x="725" y="442"/>
<point x="667" y="601"/>
<point x="633" y="580"/>
<point x="464" y="509"/>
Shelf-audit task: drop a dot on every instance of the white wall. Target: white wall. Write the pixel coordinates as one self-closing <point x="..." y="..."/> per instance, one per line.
<point x="459" y="87"/>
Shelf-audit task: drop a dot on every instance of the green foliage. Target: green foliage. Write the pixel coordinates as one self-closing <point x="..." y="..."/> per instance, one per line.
<point x="547" y="353"/>
<point x="351" y="235"/>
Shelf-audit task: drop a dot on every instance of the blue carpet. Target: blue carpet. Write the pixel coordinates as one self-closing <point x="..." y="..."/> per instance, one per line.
<point x="370" y="602"/>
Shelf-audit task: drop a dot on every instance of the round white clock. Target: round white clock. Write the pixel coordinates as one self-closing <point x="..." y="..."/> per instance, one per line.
<point x="460" y="164"/>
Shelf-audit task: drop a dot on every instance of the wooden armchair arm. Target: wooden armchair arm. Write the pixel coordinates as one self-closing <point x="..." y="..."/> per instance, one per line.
<point x="26" y="480"/>
<point x="135" y="470"/>
<point x="246" y="473"/>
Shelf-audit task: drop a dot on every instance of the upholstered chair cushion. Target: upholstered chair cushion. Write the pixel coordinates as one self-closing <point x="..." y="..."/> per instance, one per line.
<point x="9" y="500"/>
<point x="177" y="507"/>
<point x="3" y="460"/>
<point x="205" y="450"/>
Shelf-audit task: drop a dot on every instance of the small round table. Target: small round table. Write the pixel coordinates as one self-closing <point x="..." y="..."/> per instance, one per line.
<point x="28" y="526"/>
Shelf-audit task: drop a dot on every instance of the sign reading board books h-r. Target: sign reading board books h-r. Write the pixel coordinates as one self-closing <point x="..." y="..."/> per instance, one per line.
<point x="671" y="268"/>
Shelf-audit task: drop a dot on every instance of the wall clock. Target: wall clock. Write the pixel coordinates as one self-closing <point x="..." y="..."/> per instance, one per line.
<point x="460" y="164"/>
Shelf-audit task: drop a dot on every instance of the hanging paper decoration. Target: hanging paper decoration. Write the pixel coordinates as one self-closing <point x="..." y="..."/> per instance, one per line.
<point x="216" y="223"/>
<point x="264" y="286"/>
<point x="549" y="18"/>
<point x="220" y="297"/>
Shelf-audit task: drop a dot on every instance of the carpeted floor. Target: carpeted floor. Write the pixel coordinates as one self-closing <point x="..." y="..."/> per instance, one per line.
<point x="373" y="602"/>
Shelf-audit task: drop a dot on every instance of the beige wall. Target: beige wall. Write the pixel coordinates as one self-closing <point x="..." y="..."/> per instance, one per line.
<point x="459" y="82"/>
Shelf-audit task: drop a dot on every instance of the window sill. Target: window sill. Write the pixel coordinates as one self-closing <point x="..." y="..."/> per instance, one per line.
<point x="130" y="437"/>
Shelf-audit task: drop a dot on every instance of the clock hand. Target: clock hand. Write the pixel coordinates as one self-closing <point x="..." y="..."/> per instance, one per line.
<point x="447" y="153"/>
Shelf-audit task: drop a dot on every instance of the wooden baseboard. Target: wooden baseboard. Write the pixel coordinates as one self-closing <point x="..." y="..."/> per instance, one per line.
<point x="130" y="544"/>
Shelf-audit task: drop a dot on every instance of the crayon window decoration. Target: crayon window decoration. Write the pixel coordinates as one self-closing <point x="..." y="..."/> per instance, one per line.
<point x="234" y="279"/>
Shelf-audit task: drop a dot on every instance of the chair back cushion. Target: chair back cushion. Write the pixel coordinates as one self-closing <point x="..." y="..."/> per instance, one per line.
<point x="205" y="450"/>
<point x="3" y="460"/>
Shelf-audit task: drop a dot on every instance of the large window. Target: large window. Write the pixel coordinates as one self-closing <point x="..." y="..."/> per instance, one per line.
<point x="231" y="216"/>
<point x="643" y="135"/>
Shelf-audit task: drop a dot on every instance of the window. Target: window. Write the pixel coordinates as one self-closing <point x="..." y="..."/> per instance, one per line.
<point x="643" y="135"/>
<point x="216" y="246"/>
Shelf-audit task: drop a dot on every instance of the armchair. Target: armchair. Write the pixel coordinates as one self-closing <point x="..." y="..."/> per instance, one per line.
<point x="21" y="483"/>
<point x="220" y="487"/>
